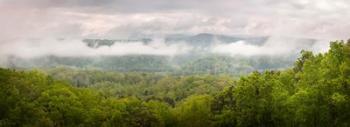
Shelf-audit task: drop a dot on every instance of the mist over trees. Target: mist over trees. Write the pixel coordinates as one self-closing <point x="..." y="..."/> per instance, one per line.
<point x="173" y="54"/>
<point x="314" y="92"/>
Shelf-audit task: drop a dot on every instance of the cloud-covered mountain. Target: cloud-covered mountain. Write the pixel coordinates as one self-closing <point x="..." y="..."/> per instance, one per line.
<point x="176" y="53"/>
<point x="219" y="43"/>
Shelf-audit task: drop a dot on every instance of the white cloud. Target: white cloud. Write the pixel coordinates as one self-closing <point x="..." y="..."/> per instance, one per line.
<point x="275" y="46"/>
<point x="38" y="48"/>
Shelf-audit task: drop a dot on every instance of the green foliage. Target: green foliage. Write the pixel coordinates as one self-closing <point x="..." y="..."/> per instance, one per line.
<point x="147" y="86"/>
<point x="315" y="92"/>
<point x="34" y="99"/>
<point x="194" y="111"/>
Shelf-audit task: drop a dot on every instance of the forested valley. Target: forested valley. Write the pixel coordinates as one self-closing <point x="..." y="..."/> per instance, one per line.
<point x="314" y="92"/>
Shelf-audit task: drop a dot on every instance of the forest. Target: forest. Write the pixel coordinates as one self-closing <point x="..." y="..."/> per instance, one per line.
<point x="314" y="92"/>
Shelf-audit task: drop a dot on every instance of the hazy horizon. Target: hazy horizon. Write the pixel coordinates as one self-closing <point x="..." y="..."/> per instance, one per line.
<point x="37" y="28"/>
<point x="23" y="20"/>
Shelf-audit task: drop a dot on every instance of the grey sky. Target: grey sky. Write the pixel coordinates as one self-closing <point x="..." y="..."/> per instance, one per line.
<point x="22" y="22"/>
<point x="321" y="19"/>
<point x="30" y="28"/>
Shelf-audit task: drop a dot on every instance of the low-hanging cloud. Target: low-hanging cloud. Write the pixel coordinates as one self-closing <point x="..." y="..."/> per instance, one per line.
<point x="275" y="46"/>
<point x="76" y="48"/>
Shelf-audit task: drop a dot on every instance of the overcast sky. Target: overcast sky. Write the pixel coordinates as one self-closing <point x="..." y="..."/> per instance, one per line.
<point x="321" y="19"/>
<point x="31" y="28"/>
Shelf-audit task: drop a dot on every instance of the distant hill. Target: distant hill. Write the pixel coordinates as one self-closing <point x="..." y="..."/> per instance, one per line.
<point x="206" y="39"/>
<point x="96" y="43"/>
<point x="197" y="61"/>
<point x="202" y="40"/>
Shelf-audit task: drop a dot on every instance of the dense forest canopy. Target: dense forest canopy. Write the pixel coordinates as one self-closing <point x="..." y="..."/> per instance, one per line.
<point x="314" y="92"/>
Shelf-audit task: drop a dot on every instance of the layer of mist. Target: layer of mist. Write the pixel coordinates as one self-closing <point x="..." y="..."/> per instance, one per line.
<point x="169" y="46"/>
<point x="202" y="53"/>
